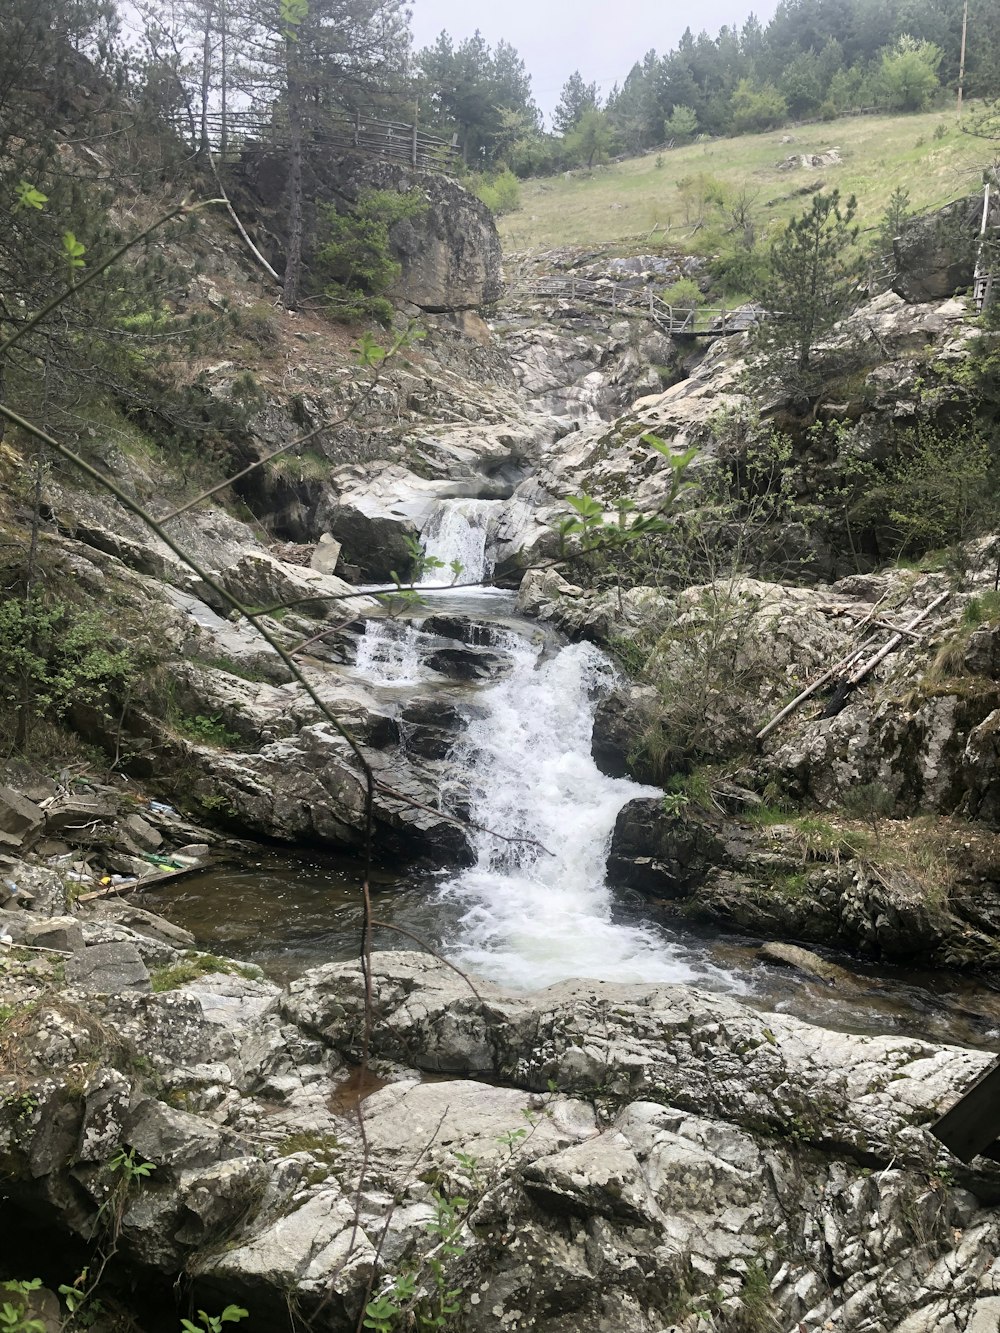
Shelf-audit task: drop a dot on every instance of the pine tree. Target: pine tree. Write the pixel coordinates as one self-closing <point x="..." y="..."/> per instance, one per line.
<point x="812" y="278"/>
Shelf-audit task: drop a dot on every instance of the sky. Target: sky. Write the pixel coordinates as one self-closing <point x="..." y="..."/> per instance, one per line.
<point x="601" y="38"/>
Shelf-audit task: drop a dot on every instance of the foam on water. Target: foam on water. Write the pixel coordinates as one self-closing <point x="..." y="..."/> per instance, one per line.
<point x="535" y="909"/>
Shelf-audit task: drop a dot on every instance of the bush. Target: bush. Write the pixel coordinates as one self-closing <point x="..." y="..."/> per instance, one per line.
<point x="53" y="658"/>
<point x="684" y="293"/>
<point x="940" y="490"/>
<point x="500" y="193"/>
<point x="753" y="109"/>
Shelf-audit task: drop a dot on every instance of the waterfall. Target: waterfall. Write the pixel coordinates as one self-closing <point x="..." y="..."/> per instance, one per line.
<point x="535" y="909"/>
<point x="388" y="653"/>
<point x="459" y="530"/>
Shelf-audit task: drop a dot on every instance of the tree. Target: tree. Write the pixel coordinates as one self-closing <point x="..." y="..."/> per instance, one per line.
<point x="307" y="61"/>
<point x="812" y="280"/>
<point x="682" y="123"/>
<point x="589" y="141"/>
<point x="481" y="93"/>
<point x="576" y="100"/>
<point x="755" y="109"/>
<point x="909" y="73"/>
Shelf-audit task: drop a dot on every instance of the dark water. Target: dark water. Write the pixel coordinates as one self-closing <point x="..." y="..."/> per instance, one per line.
<point x="289" y="913"/>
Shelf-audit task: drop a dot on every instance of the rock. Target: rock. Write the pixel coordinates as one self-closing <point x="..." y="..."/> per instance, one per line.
<point x="325" y="556"/>
<point x="660" y="854"/>
<point x="21" y="821"/>
<point x="148" y="838"/>
<point x="935" y="253"/>
<point x="377" y="543"/>
<point x="430" y="727"/>
<point x="104" y="969"/>
<point x="75" y="817"/>
<point x="40" y="888"/>
<point x="619" y="721"/>
<point x="450" y="253"/>
<point x="55" y="932"/>
<point x="466" y="663"/>
<point x="805" y="961"/>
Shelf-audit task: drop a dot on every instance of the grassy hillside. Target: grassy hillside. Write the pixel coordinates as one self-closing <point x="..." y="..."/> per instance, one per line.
<point x="647" y="198"/>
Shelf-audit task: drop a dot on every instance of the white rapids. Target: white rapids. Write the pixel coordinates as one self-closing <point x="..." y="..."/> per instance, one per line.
<point x="536" y="909"/>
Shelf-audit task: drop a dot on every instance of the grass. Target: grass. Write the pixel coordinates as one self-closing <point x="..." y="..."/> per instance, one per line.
<point x="197" y="965"/>
<point x="625" y="201"/>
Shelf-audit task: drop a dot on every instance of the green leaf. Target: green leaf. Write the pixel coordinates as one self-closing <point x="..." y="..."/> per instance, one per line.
<point x="26" y="196"/>
<point x="73" y="250"/>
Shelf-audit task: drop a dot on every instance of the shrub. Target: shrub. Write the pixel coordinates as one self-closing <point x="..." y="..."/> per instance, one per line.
<point x="500" y="193"/>
<point x="684" y="293"/>
<point x="52" y="658"/>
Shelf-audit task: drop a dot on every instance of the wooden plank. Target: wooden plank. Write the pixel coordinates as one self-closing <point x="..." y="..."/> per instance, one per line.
<point x="149" y="881"/>
<point x="973" y="1123"/>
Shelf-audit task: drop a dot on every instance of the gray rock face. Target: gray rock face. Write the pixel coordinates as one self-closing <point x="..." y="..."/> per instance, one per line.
<point x="105" y="969"/>
<point x="450" y="253"/>
<point x="21" y="820"/>
<point x="935" y="254"/>
<point x="694" y="1153"/>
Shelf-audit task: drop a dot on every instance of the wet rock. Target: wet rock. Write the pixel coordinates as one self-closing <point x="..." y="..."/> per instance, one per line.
<point x="466" y="663"/>
<point x="431" y="727"/>
<point x="664" y="855"/>
<point x="805" y="961"/>
<point x="619" y="722"/>
<point x="104" y="969"/>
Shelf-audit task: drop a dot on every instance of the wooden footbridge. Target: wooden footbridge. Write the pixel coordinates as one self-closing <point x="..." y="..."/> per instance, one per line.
<point x="627" y="299"/>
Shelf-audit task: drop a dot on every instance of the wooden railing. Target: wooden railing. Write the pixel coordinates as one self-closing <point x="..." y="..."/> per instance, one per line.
<point x="623" y="298"/>
<point x="248" y="131"/>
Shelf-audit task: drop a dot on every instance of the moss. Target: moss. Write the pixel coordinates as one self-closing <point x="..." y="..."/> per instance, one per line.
<point x="231" y="668"/>
<point x="196" y="965"/>
<point x="325" y="1147"/>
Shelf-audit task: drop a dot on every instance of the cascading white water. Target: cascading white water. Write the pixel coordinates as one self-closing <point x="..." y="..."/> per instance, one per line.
<point x="535" y="909"/>
<point x="458" y="531"/>
<point x="388" y="653"/>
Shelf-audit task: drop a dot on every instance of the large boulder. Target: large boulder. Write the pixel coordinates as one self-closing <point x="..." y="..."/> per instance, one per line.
<point x="935" y="254"/>
<point x="450" y="252"/>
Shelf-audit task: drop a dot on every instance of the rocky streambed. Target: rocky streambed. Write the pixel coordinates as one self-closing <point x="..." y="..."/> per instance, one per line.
<point x="650" y="1125"/>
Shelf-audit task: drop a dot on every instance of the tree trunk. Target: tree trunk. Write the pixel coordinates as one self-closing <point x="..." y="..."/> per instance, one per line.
<point x="206" y="78"/>
<point x="293" y="264"/>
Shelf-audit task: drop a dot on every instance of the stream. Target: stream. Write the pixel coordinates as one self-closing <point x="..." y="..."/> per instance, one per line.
<point x="534" y="909"/>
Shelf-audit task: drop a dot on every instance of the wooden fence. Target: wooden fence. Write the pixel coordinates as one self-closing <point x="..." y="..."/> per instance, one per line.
<point x="249" y="131"/>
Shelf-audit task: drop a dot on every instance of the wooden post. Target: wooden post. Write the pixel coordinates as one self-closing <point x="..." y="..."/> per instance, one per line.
<point x="416" y="119"/>
<point x="961" y="62"/>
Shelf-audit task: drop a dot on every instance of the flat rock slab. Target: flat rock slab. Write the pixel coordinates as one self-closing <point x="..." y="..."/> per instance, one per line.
<point x="105" y="969"/>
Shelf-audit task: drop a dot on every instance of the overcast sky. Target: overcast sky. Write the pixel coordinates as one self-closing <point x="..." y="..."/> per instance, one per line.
<point x="601" y="38"/>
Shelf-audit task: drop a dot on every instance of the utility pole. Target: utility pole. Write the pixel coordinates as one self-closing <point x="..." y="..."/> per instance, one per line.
<point x="961" y="62"/>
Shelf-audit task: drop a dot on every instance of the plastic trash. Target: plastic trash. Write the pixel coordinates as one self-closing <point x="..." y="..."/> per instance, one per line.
<point x="159" y="808"/>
